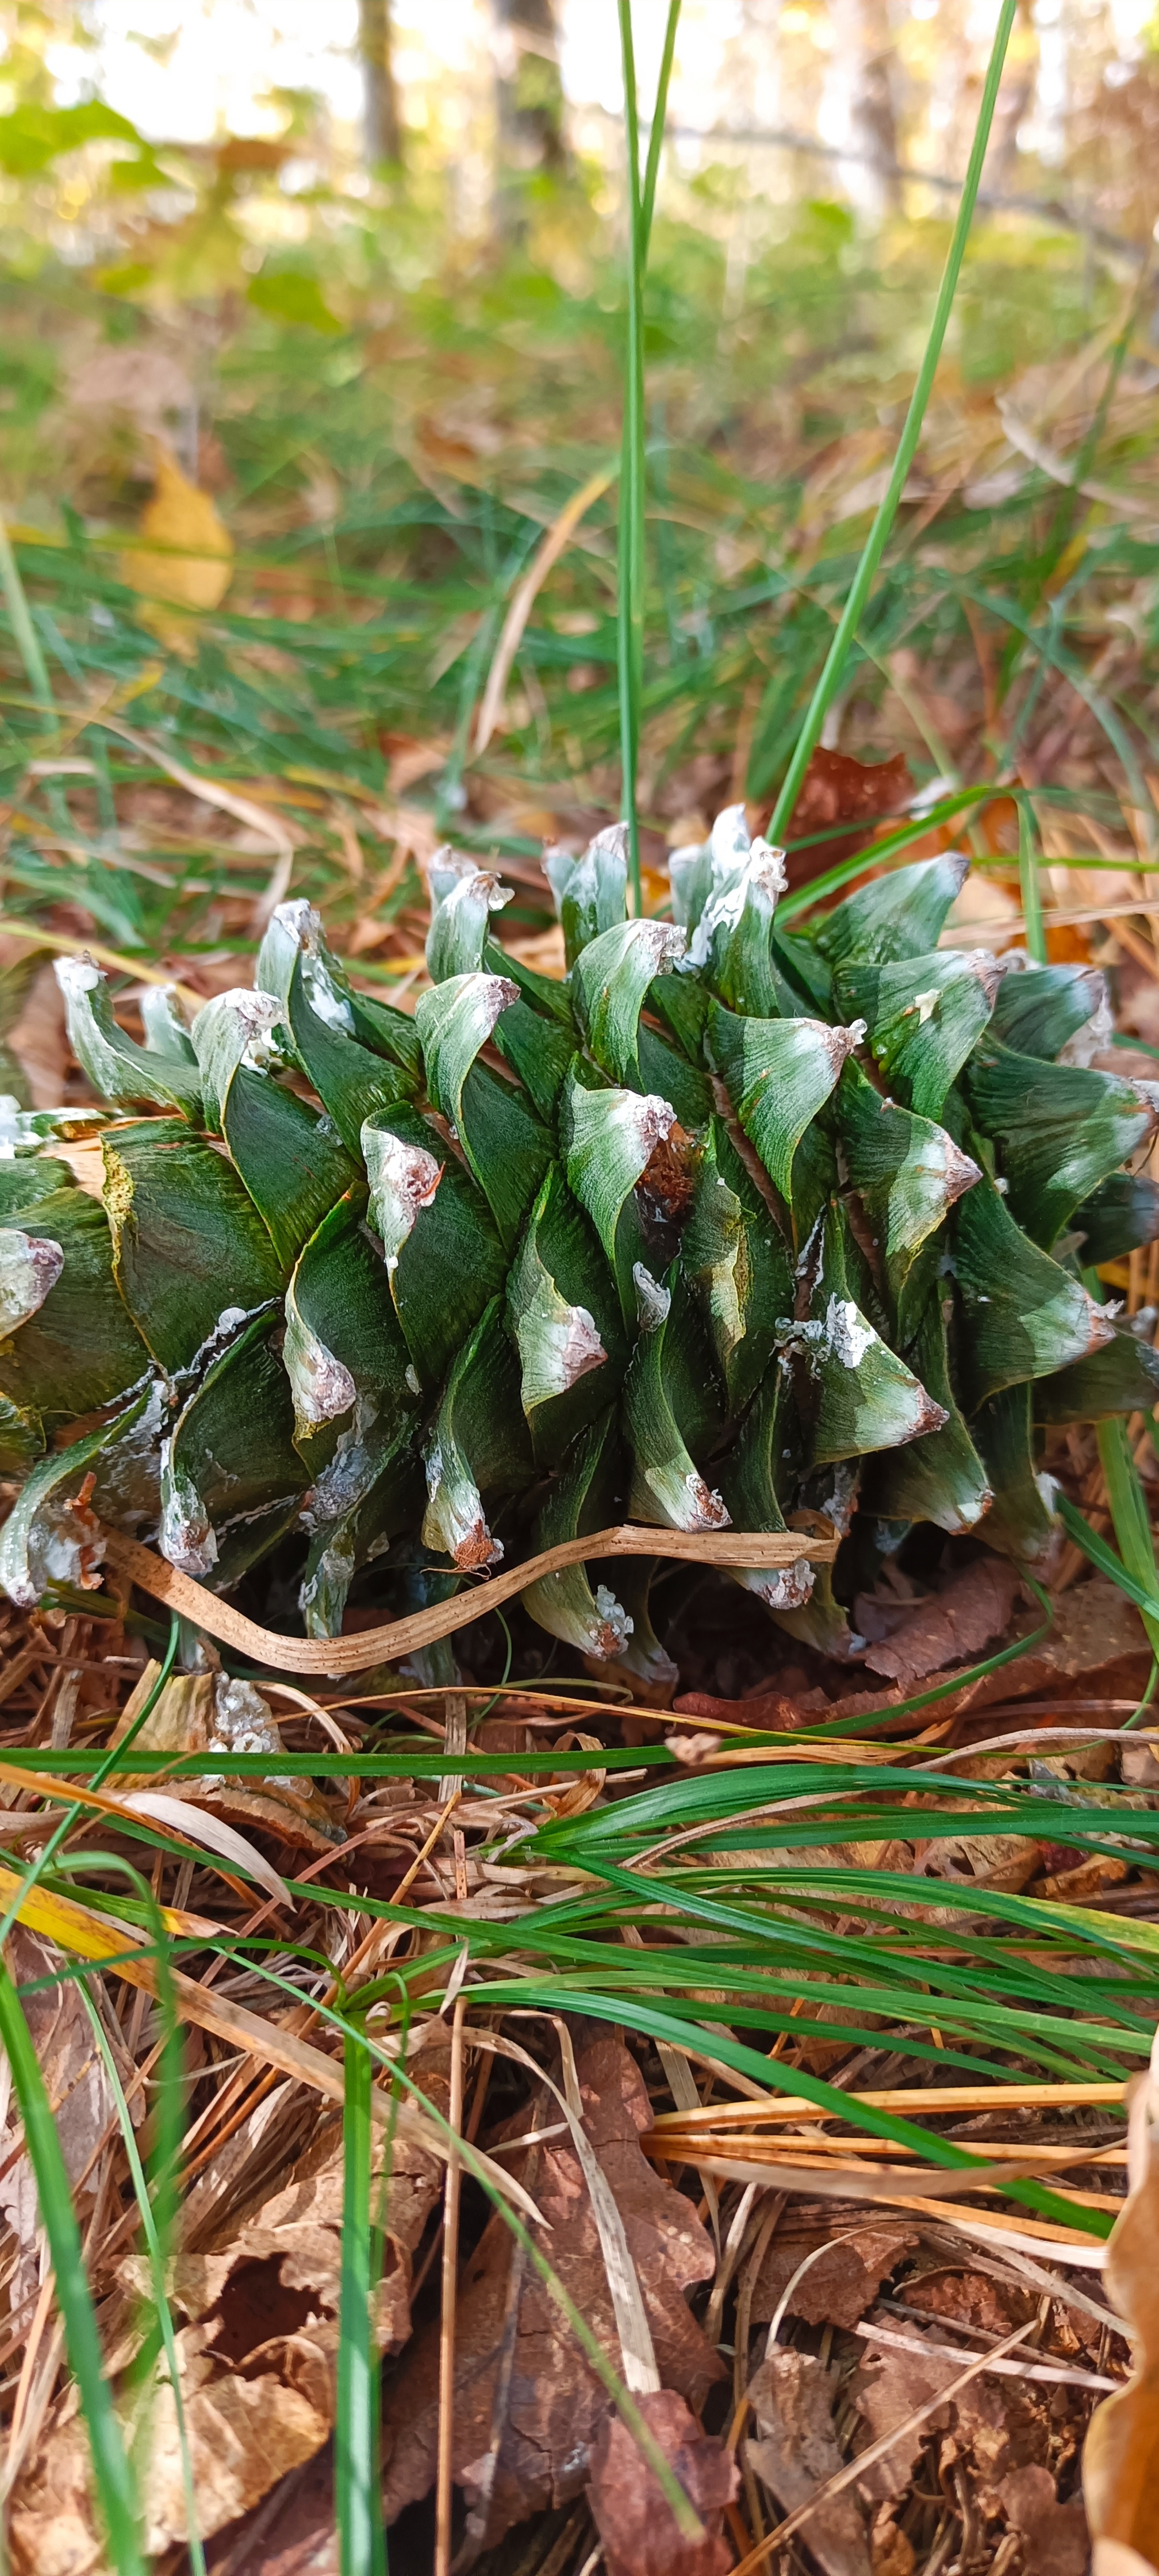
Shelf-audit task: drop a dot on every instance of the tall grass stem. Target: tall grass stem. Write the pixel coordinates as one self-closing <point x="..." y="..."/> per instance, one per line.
<point x="656" y="137"/>
<point x="358" y="2506"/>
<point x="633" y="461"/>
<point x="1028" y="880"/>
<point x="1130" y="1516"/>
<point x="842" y="645"/>
<point x="630" y="607"/>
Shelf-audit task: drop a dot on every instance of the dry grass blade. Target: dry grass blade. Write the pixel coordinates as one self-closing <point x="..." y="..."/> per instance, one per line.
<point x="209" y="791"/>
<point x="185" y="1823"/>
<point x="134" y="967"/>
<point x="908" y="2099"/>
<point x="833" y="2180"/>
<point x="358" y="1654"/>
<point x="1050" y="2373"/>
<point x="558" y="537"/>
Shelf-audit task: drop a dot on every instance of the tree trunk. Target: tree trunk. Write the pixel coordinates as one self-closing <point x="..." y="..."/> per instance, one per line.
<point x="380" y="112"/>
<point x="528" y="91"/>
<point x="857" y="106"/>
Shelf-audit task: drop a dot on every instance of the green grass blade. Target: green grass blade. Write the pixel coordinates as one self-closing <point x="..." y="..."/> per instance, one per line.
<point x="358" y="2503"/>
<point x="773" y="2074"/>
<point x="875" y="544"/>
<point x="112" y="2479"/>
<point x="656" y="138"/>
<point x="630" y="564"/>
<point x="1055" y="656"/>
<point x="1029" y="884"/>
<point x="20" y="620"/>
<point x="1145" y="1596"/>
<point x="156" y="2248"/>
<point x="1127" y="1497"/>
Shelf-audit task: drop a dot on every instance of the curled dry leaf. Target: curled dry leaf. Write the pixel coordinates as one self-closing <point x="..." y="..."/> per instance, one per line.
<point x="210" y="1713"/>
<point x="796" y="2453"/>
<point x="1121" y="2457"/>
<point x="843" y="2280"/>
<point x="633" y="2517"/>
<point x="581" y="1790"/>
<point x="278" y="2274"/>
<point x="527" y="2404"/>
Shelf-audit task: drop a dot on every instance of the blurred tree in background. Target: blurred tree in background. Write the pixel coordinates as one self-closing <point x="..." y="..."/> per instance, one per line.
<point x="376" y="46"/>
<point x="528" y="88"/>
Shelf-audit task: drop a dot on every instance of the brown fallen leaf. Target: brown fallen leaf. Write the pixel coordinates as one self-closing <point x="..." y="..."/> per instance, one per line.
<point x="258" y="2360"/>
<point x="891" y="2550"/>
<point x="1096" y="1648"/>
<point x="844" y="2280"/>
<point x="971" y="2299"/>
<point x="1006" y="1862"/>
<point x="792" y="2398"/>
<point x="293" y="2533"/>
<point x="954" y="1626"/>
<point x="211" y="1713"/>
<point x="634" y="2519"/>
<point x="888" y="2390"/>
<point x="999" y="2440"/>
<point x="527" y="2404"/>
<point x="841" y="792"/>
<point x="243" y="2435"/>
<point x="1054" y="2536"/>
<point x="269" y="2285"/>
<point x="1121" y="2456"/>
<point x="37" y="1036"/>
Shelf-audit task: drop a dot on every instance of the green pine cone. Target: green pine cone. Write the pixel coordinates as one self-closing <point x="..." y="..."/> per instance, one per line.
<point x="733" y="1227"/>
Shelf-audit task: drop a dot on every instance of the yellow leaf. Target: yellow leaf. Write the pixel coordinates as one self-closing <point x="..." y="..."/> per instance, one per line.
<point x="187" y="558"/>
<point x="92" y="1936"/>
<point x="100" y="1938"/>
